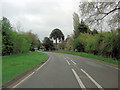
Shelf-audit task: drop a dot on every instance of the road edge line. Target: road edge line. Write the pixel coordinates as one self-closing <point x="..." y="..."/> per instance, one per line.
<point x="23" y="80"/>
<point x="30" y="74"/>
<point x="42" y="65"/>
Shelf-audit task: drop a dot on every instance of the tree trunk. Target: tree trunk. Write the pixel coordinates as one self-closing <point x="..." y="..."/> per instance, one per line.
<point x="56" y="44"/>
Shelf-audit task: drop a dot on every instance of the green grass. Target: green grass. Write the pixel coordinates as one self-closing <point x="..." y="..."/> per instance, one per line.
<point x="109" y="60"/>
<point x="16" y="64"/>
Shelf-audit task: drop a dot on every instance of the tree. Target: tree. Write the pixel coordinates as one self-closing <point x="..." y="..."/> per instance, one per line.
<point x="39" y="44"/>
<point x="94" y="32"/>
<point x="57" y="34"/>
<point x="14" y="42"/>
<point x="61" y="45"/>
<point x="82" y="27"/>
<point x="48" y="44"/>
<point x="97" y="12"/>
<point x="0" y="37"/>
<point x="7" y="44"/>
<point x="21" y="42"/>
<point x="34" y="40"/>
<point x="69" y="43"/>
<point x="76" y="24"/>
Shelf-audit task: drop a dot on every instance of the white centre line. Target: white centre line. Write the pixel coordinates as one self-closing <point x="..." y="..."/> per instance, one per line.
<point x="91" y="79"/>
<point x="67" y="57"/>
<point x="78" y="79"/>
<point x="73" y="62"/>
<point x="68" y="62"/>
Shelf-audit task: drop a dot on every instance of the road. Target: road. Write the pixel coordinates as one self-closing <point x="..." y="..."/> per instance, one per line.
<point x="69" y="71"/>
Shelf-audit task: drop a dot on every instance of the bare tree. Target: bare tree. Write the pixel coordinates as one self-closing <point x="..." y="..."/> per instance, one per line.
<point x="96" y="12"/>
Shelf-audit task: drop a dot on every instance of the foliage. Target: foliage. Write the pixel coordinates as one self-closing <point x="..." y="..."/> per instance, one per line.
<point x="61" y="45"/>
<point x="83" y="28"/>
<point x="15" y="65"/>
<point x="7" y="44"/>
<point x="0" y="43"/>
<point x="94" y="32"/>
<point x="75" y="24"/>
<point x="35" y="42"/>
<point x="21" y="43"/>
<point x="105" y="44"/>
<point x="69" y="43"/>
<point x="78" y="45"/>
<point x="48" y="44"/>
<point x="14" y="42"/>
<point x="57" y="34"/>
<point x="96" y="12"/>
<point x="116" y="45"/>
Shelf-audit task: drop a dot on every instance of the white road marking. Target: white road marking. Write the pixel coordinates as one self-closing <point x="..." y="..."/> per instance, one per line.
<point x="42" y="65"/>
<point x="30" y="74"/>
<point x="68" y="62"/>
<point x="78" y="79"/>
<point x="73" y="62"/>
<point x="67" y="57"/>
<point x="91" y="79"/>
<point x="23" y="80"/>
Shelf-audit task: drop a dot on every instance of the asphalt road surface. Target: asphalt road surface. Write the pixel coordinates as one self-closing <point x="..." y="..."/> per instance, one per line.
<point x="69" y="71"/>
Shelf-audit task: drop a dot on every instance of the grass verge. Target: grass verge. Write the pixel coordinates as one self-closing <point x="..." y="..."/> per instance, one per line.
<point x="17" y="64"/>
<point x="109" y="60"/>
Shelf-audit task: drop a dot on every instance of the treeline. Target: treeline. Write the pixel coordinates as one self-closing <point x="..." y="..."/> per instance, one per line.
<point x="14" y="42"/>
<point x="56" y="35"/>
<point x="106" y="44"/>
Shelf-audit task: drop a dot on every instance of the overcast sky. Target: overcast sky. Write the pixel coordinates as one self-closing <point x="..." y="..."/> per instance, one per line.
<point x="41" y="16"/>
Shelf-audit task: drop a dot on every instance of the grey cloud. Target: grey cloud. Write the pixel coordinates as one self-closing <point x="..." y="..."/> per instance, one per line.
<point x="42" y="17"/>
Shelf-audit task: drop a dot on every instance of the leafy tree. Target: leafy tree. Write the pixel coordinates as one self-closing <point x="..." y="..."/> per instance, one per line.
<point x="21" y="43"/>
<point x="48" y="44"/>
<point x="14" y="42"/>
<point x="77" y="44"/>
<point x="39" y="44"/>
<point x="7" y="44"/>
<point x="69" y="43"/>
<point x="57" y="34"/>
<point x="0" y="38"/>
<point x="76" y="24"/>
<point x="62" y="45"/>
<point x="94" y="32"/>
<point x="116" y="45"/>
<point x="82" y="27"/>
<point x="34" y="40"/>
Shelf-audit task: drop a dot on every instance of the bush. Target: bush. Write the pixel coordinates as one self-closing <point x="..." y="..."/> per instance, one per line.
<point x="7" y="44"/>
<point x="61" y="45"/>
<point x="106" y="44"/>
<point x="69" y="43"/>
<point x="14" y="42"/>
<point x="77" y="44"/>
<point x="116" y="45"/>
<point x="21" y="43"/>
